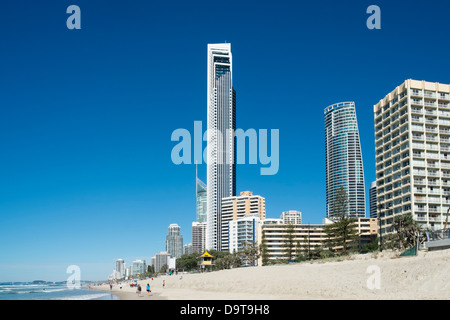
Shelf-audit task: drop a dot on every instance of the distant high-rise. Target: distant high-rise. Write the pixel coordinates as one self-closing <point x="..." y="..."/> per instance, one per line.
<point x="120" y="268"/>
<point x="221" y="146"/>
<point x="139" y="267"/>
<point x="344" y="164"/>
<point x="187" y="248"/>
<point x="174" y="241"/>
<point x="198" y="237"/>
<point x="201" y="194"/>
<point x="162" y="262"/>
<point x="373" y="200"/>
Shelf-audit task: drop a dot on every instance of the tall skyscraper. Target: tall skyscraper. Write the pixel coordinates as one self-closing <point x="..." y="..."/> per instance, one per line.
<point x="344" y="164"/>
<point x="237" y="207"/>
<point x="174" y="241"/>
<point x="412" y="153"/>
<point x="221" y="147"/>
<point x="373" y="200"/>
<point x="201" y="195"/>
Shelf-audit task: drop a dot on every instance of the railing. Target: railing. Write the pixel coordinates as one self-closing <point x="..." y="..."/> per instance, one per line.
<point x="439" y="234"/>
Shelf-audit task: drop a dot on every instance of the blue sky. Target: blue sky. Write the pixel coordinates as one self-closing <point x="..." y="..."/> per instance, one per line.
<point x="86" y="115"/>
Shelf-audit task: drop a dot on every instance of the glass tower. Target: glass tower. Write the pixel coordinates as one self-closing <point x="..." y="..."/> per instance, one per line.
<point x="221" y="147"/>
<point x="373" y="200"/>
<point x="343" y="159"/>
<point x="174" y="241"/>
<point x="201" y="195"/>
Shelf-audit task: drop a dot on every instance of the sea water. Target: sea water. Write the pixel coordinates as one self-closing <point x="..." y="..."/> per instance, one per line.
<point x="49" y="291"/>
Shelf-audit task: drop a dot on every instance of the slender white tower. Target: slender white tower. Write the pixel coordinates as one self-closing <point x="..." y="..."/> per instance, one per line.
<point x="221" y="152"/>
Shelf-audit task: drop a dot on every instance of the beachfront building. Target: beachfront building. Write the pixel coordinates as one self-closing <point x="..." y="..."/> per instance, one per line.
<point x="373" y="200"/>
<point x="291" y="217"/>
<point x="139" y="267"/>
<point x="236" y="207"/>
<point x="243" y="231"/>
<point x="120" y="269"/>
<point x="174" y="241"/>
<point x="343" y="159"/>
<point x="412" y="150"/>
<point x="198" y="237"/>
<point x="221" y="156"/>
<point x="309" y="237"/>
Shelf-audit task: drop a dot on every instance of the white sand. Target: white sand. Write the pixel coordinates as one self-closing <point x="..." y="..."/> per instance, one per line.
<point x="426" y="276"/>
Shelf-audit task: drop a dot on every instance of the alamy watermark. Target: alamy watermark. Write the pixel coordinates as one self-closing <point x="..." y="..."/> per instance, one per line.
<point x="221" y="142"/>
<point x="374" y="280"/>
<point x="374" y="21"/>
<point x="74" y="280"/>
<point x="74" y="20"/>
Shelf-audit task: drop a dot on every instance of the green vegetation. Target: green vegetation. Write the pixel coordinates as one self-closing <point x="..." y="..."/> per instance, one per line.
<point x="263" y="249"/>
<point x="406" y="233"/>
<point x="342" y="234"/>
<point x="289" y="243"/>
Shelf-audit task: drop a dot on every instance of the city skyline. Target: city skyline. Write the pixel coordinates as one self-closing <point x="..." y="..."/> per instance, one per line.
<point x="88" y="115"/>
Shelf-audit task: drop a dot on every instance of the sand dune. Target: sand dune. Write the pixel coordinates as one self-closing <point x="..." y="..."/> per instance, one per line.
<point x="371" y="276"/>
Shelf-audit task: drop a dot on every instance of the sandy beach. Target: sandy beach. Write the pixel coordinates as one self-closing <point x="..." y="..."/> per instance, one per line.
<point x="378" y="276"/>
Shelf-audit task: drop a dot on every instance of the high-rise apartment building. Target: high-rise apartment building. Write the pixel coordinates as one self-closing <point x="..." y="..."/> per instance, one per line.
<point x="373" y="200"/>
<point x="139" y="267"/>
<point x="243" y="231"/>
<point x="198" y="237"/>
<point x="120" y="269"/>
<point x="187" y="248"/>
<point x="163" y="261"/>
<point x="221" y="146"/>
<point x="344" y="163"/>
<point x="237" y="207"/>
<point x="174" y="241"/>
<point x="412" y="150"/>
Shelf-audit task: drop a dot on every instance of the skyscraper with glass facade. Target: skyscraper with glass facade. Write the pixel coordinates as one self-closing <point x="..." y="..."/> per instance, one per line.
<point x="201" y="194"/>
<point x="221" y="147"/>
<point x="343" y="159"/>
<point x="174" y="241"/>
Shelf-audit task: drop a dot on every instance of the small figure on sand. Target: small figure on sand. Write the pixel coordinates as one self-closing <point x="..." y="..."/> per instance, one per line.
<point x="139" y="289"/>
<point x="164" y="283"/>
<point x="148" y="289"/>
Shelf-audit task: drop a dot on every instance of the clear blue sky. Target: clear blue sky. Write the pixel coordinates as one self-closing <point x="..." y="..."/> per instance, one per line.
<point x="86" y="115"/>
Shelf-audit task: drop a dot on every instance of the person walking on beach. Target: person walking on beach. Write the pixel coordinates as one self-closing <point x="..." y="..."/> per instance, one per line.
<point x="139" y="289"/>
<point x="148" y="289"/>
<point x="164" y="283"/>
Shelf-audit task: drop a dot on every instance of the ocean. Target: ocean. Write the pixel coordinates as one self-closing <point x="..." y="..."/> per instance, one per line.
<point x="50" y="291"/>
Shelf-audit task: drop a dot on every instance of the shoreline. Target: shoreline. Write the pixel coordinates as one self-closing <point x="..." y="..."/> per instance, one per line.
<point x="377" y="276"/>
